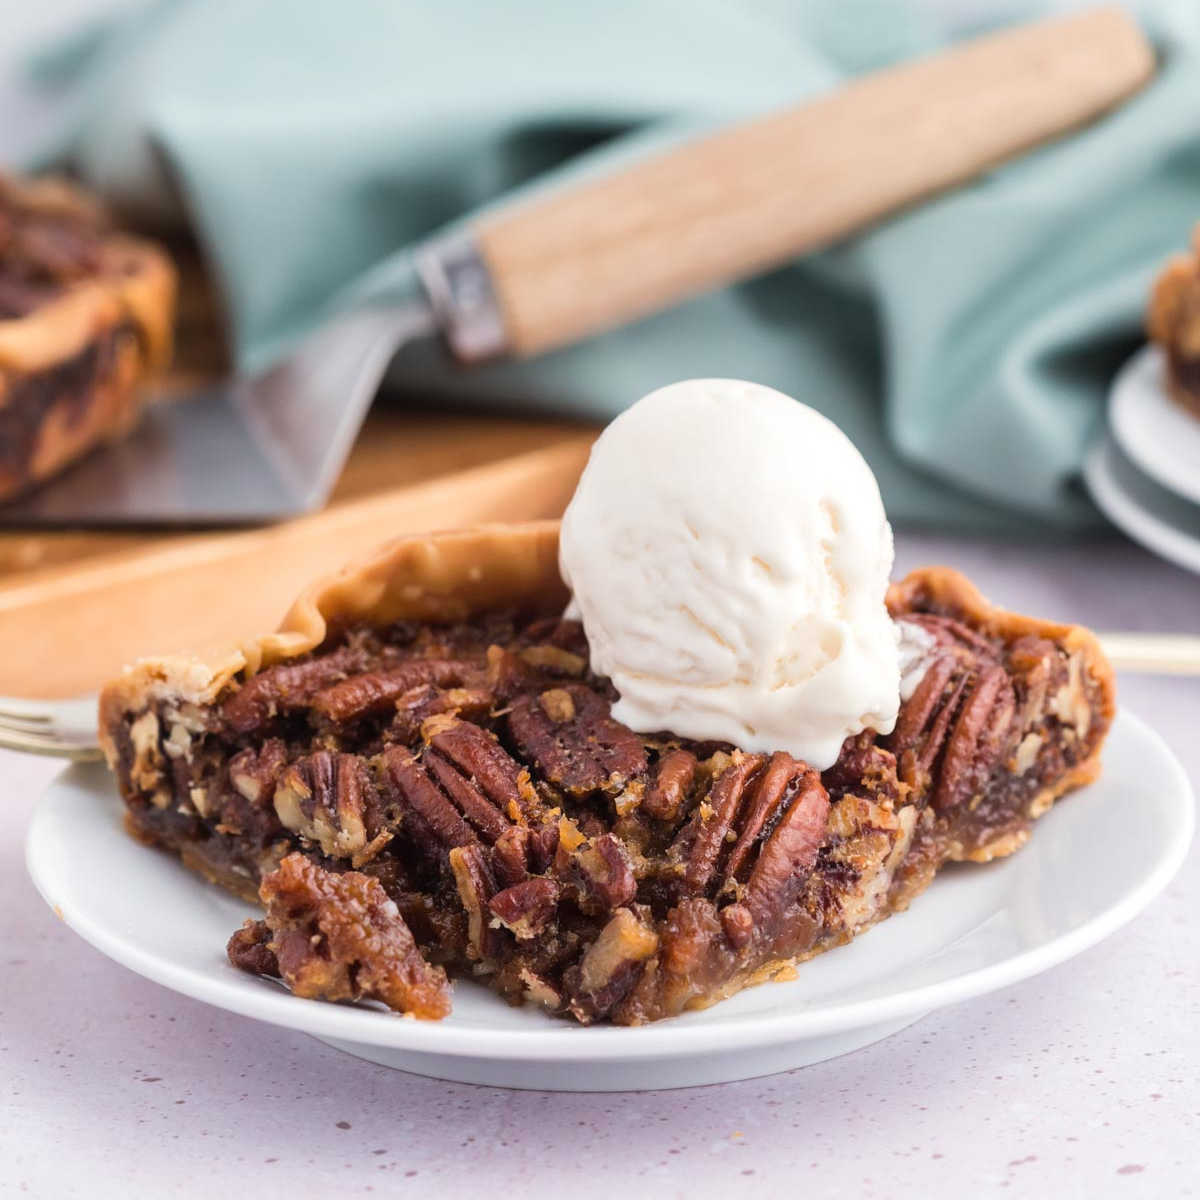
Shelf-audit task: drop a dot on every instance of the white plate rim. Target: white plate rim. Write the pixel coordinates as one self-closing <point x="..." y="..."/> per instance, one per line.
<point x="1133" y="514"/>
<point x="1140" y="383"/>
<point x="662" y="1040"/>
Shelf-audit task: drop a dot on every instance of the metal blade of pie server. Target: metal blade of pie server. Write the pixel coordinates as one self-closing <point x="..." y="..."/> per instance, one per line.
<point x="240" y="451"/>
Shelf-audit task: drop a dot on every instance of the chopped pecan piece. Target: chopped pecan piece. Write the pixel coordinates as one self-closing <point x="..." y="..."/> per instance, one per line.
<point x="507" y="676"/>
<point x="524" y="909"/>
<point x="254" y="772"/>
<point x="244" y="807"/>
<point x="588" y="752"/>
<point x="339" y="937"/>
<point x="866" y="768"/>
<point x="558" y="705"/>
<point x="418" y="704"/>
<point x="610" y="965"/>
<point x="542" y="846"/>
<point x="557" y="631"/>
<point x="602" y="874"/>
<point x="510" y="855"/>
<point x="738" y="922"/>
<point x="524" y="850"/>
<point x="554" y="659"/>
<point x="250" y="950"/>
<point x="1038" y="672"/>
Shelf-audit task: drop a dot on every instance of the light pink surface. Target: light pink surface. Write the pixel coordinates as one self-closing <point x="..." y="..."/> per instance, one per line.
<point x="1083" y="1082"/>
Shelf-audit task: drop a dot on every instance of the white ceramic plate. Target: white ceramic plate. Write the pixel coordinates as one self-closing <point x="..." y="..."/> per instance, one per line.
<point x="1149" y="514"/>
<point x="1155" y="433"/>
<point x="1094" y="863"/>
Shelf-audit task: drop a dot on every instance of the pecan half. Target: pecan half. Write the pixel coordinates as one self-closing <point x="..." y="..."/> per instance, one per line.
<point x="288" y="687"/>
<point x="978" y="740"/>
<point x="480" y="758"/>
<point x="779" y="781"/>
<point x="667" y="796"/>
<point x="790" y="851"/>
<point x="713" y="824"/>
<point x="468" y="797"/>
<point x="918" y="711"/>
<point x="329" y="799"/>
<point x="586" y="753"/>
<point x="413" y="790"/>
<point x="476" y="887"/>
<point x="375" y="692"/>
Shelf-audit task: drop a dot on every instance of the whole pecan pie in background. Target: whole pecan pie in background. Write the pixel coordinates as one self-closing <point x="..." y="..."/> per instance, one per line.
<point x="86" y="317"/>
<point x="419" y="777"/>
<point x="1173" y="321"/>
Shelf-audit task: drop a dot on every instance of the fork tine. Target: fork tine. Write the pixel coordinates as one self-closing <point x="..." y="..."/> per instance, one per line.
<point x="50" y="746"/>
<point x="30" y="710"/>
<point x="35" y="736"/>
<point x="24" y="721"/>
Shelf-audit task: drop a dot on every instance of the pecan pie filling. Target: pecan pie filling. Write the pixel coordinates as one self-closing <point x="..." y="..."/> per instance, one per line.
<point x="421" y="801"/>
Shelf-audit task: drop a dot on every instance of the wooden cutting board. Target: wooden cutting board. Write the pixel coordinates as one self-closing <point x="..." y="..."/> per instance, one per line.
<point x="77" y="606"/>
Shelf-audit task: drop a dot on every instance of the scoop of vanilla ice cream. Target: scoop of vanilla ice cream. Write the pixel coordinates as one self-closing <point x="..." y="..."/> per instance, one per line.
<point x="728" y="554"/>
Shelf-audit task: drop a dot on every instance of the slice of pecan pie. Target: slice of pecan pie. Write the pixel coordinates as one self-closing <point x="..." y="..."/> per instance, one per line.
<point x="1173" y="321"/>
<point x="85" y="317"/>
<point x="419" y="777"/>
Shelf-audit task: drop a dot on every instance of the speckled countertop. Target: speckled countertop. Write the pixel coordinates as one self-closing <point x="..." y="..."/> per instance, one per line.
<point x="1082" y="1082"/>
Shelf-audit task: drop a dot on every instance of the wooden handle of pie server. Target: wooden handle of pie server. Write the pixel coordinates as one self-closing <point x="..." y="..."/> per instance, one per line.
<point x="753" y="195"/>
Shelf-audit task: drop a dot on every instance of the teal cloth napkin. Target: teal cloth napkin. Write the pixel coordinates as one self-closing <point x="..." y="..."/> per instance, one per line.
<point x="965" y="346"/>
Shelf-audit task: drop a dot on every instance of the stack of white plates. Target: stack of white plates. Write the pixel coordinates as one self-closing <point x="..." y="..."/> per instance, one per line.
<point x="1145" y="472"/>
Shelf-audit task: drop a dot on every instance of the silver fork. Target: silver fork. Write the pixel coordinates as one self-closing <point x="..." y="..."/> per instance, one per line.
<point x="60" y="728"/>
<point x="67" y="728"/>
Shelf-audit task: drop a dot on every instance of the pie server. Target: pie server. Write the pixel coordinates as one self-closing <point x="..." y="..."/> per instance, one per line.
<point x="569" y="263"/>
